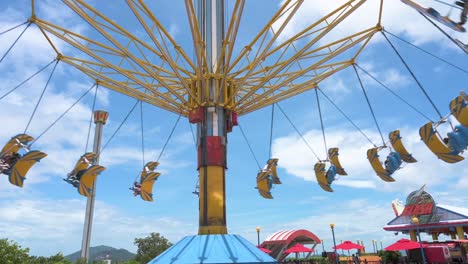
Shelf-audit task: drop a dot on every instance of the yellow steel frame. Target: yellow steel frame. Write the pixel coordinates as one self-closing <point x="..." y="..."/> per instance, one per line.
<point x="156" y="69"/>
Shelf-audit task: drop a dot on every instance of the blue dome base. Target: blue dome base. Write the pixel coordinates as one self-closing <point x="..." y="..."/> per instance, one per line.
<point x="213" y="249"/>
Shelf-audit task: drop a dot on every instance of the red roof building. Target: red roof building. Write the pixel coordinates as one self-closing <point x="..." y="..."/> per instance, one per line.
<point x="421" y="213"/>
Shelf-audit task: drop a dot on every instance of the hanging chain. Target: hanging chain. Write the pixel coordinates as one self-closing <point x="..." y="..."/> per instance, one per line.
<point x="271" y="128"/>
<point x="370" y="106"/>
<point x="321" y="123"/>
<point x="299" y="133"/>
<point x="14" y="43"/>
<point x="347" y="117"/>
<point x="142" y="134"/>
<point x="168" y="138"/>
<point x="412" y="74"/>
<point x="91" y="118"/>
<point x="40" y="97"/>
<point x="250" y="147"/>
<point x="62" y="115"/>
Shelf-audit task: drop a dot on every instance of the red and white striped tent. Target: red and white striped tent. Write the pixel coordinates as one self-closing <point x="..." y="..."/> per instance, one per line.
<point x="280" y="241"/>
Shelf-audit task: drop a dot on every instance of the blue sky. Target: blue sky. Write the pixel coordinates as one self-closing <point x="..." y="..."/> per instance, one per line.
<point x="47" y="214"/>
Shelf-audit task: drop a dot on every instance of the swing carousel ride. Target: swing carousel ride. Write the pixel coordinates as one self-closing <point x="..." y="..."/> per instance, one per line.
<point x="223" y="80"/>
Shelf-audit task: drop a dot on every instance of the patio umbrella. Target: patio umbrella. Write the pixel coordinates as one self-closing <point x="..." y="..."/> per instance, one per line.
<point x="347" y="245"/>
<point x="404" y="244"/>
<point x="265" y="250"/>
<point x="298" y="248"/>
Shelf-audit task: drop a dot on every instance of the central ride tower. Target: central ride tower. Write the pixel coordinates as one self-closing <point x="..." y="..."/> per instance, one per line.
<point x="211" y="130"/>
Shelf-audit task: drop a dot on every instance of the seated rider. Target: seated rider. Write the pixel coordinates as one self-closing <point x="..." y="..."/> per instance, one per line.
<point x="331" y="173"/>
<point x="8" y="161"/>
<point x="463" y="4"/>
<point x="392" y="163"/>
<point x="458" y="139"/>
<point x="270" y="181"/>
<point x="74" y="176"/>
<point x="136" y="188"/>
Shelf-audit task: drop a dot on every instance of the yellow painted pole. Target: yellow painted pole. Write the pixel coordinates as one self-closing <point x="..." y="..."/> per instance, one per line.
<point x="460" y="233"/>
<point x="212" y="201"/>
<point x="453" y="236"/>
<point x="413" y="235"/>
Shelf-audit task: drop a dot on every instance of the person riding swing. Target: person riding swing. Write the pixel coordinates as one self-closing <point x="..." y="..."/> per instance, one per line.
<point x="136" y="188"/>
<point x="8" y="161"/>
<point x="463" y="16"/>
<point x="82" y="165"/>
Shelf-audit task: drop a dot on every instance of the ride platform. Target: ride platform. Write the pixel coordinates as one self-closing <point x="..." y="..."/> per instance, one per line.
<point x="212" y="249"/>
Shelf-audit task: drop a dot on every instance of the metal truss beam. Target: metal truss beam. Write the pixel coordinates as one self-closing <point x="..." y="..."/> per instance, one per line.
<point x="270" y="68"/>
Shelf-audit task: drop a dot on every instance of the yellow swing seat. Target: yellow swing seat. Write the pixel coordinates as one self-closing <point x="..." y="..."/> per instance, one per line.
<point x="333" y="156"/>
<point x="433" y="141"/>
<point x="151" y="165"/>
<point x="320" y="173"/>
<point x="271" y="167"/>
<point x="147" y="181"/>
<point x="16" y="143"/>
<point x="397" y="144"/>
<point x="22" y="166"/>
<point x="83" y="163"/>
<point x="86" y="187"/>
<point x="373" y="157"/>
<point x="459" y="108"/>
<point x="263" y="185"/>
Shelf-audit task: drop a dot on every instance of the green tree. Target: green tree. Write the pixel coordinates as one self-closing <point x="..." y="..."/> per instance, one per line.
<point x="81" y="261"/>
<point x="390" y="256"/>
<point x="150" y="247"/>
<point x="12" y="253"/>
<point x="130" y="262"/>
<point x="55" y="259"/>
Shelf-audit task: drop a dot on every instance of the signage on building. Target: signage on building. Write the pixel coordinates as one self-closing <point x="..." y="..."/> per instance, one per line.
<point x="421" y="204"/>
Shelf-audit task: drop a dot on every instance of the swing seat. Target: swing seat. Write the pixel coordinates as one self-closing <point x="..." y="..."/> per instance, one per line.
<point x="151" y="165"/>
<point x="320" y="173"/>
<point x="432" y="13"/>
<point x="458" y="139"/>
<point x="14" y="144"/>
<point x="22" y="166"/>
<point x="395" y="140"/>
<point x="147" y="181"/>
<point x="462" y="45"/>
<point x="88" y="179"/>
<point x="264" y="184"/>
<point x="333" y="156"/>
<point x="271" y="167"/>
<point x="373" y="157"/>
<point x="432" y="140"/>
<point x="83" y="163"/>
<point x="459" y="109"/>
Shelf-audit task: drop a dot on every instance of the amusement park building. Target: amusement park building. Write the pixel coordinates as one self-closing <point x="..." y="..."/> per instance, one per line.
<point x="432" y="218"/>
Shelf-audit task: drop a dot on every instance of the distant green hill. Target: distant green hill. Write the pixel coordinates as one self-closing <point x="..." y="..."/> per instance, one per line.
<point x="103" y="252"/>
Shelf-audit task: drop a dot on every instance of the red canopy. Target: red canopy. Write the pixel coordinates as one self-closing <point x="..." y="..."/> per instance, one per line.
<point x="404" y="244"/>
<point x="347" y="245"/>
<point x="298" y="248"/>
<point x="265" y="250"/>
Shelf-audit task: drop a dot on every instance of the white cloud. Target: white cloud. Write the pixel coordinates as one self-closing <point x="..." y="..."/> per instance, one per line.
<point x="48" y="226"/>
<point x="409" y="22"/>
